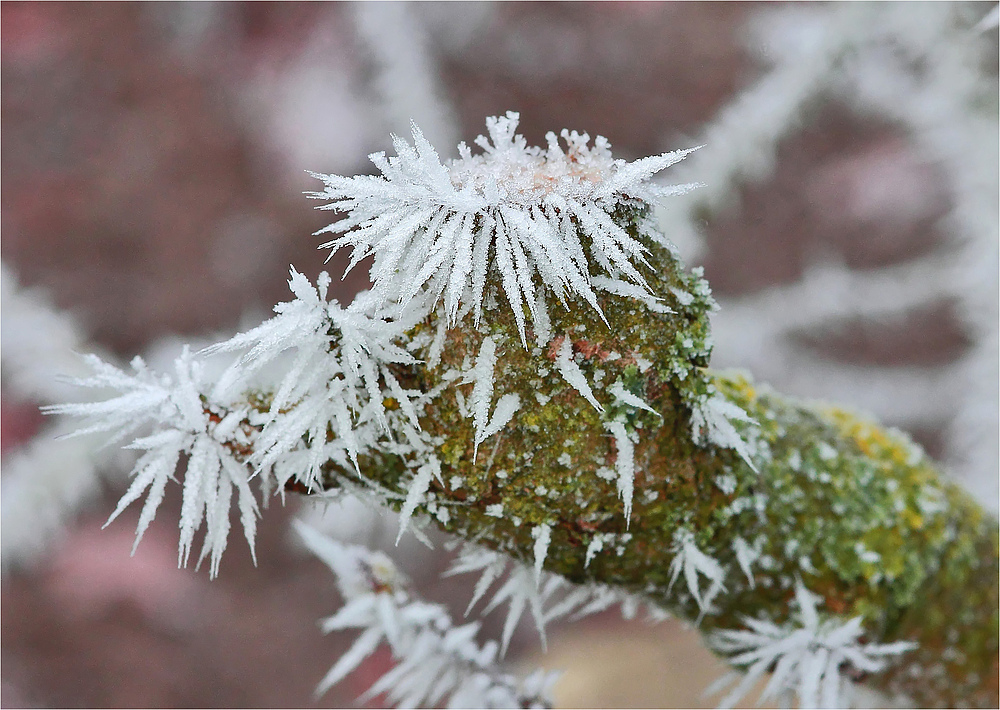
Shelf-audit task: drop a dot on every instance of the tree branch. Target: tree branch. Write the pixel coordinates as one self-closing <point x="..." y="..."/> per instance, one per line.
<point x="855" y="512"/>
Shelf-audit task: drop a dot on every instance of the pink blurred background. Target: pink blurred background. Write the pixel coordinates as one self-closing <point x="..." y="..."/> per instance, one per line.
<point x="152" y="169"/>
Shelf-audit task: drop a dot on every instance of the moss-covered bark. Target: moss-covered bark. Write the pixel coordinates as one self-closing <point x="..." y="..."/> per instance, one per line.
<point x="854" y="511"/>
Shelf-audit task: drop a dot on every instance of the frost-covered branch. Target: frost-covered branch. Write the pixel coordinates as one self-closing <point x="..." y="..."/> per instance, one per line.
<point x="574" y="428"/>
<point x="328" y="407"/>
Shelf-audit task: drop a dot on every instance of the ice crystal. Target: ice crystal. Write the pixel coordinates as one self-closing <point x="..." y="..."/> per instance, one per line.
<point x="417" y="490"/>
<point x="624" y="465"/>
<point x="590" y="599"/>
<point x="596" y="545"/>
<point x="507" y="406"/>
<point x="341" y="356"/>
<point x="436" y="661"/>
<point x="618" y="391"/>
<point x="712" y="423"/>
<point x="692" y="562"/>
<point x="337" y="382"/>
<point x="527" y="214"/>
<point x="483" y="378"/>
<point x="807" y="655"/>
<point x="542" y="535"/>
<point x="746" y="555"/>
<point x="572" y="373"/>
<point x="187" y="423"/>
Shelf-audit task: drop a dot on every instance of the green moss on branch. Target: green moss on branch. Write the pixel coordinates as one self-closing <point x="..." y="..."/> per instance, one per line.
<point x="854" y="511"/>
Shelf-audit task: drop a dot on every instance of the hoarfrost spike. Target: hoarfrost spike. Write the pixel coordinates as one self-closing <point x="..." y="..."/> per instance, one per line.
<point x="482" y="390"/>
<point x="542" y="535"/>
<point x="624" y="465"/>
<point x="572" y="373"/>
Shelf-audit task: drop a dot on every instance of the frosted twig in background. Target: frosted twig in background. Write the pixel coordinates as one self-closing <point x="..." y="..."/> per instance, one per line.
<point x="47" y="480"/>
<point x="436" y="661"/>
<point x="39" y="342"/>
<point x="741" y="141"/>
<point x="871" y="57"/>
<point x="407" y="78"/>
<point x="44" y="485"/>
<point x="942" y="87"/>
<point x="310" y="108"/>
<point x="990" y="21"/>
<point x="754" y="331"/>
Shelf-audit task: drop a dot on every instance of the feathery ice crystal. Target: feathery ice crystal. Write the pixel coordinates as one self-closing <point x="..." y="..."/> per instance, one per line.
<point x="692" y="562"/>
<point x="342" y="355"/>
<point x="436" y="661"/>
<point x="518" y="208"/>
<point x="807" y="656"/>
<point x="188" y="423"/>
<point x="334" y="384"/>
<point x="546" y="596"/>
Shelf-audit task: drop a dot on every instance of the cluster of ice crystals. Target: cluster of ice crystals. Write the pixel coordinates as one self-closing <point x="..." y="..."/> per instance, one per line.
<point x="342" y="357"/>
<point x="523" y="588"/>
<point x="188" y="423"/>
<point x="548" y="597"/>
<point x="807" y="655"/>
<point x="437" y="662"/>
<point x="338" y="378"/>
<point x="512" y="172"/>
<point x="515" y="210"/>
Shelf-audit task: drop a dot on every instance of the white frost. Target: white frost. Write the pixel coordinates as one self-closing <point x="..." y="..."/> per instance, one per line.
<point x="691" y="561"/>
<point x="572" y="373"/>
<point x="712" y="423"/>
<point x="806" y="655"/>
<point x="507" y="407"/>
<point x="621" y="394"/>
<point x="437" y="662"/>
<point x="543" y="536"/>
<point x="417" y="490"/>
<point x="482" y="390"/>
<point x="182" y="414"/>
<point x="432" y="224"/>
<point x="624" y="465"/>
<point x="746" y="555"/>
